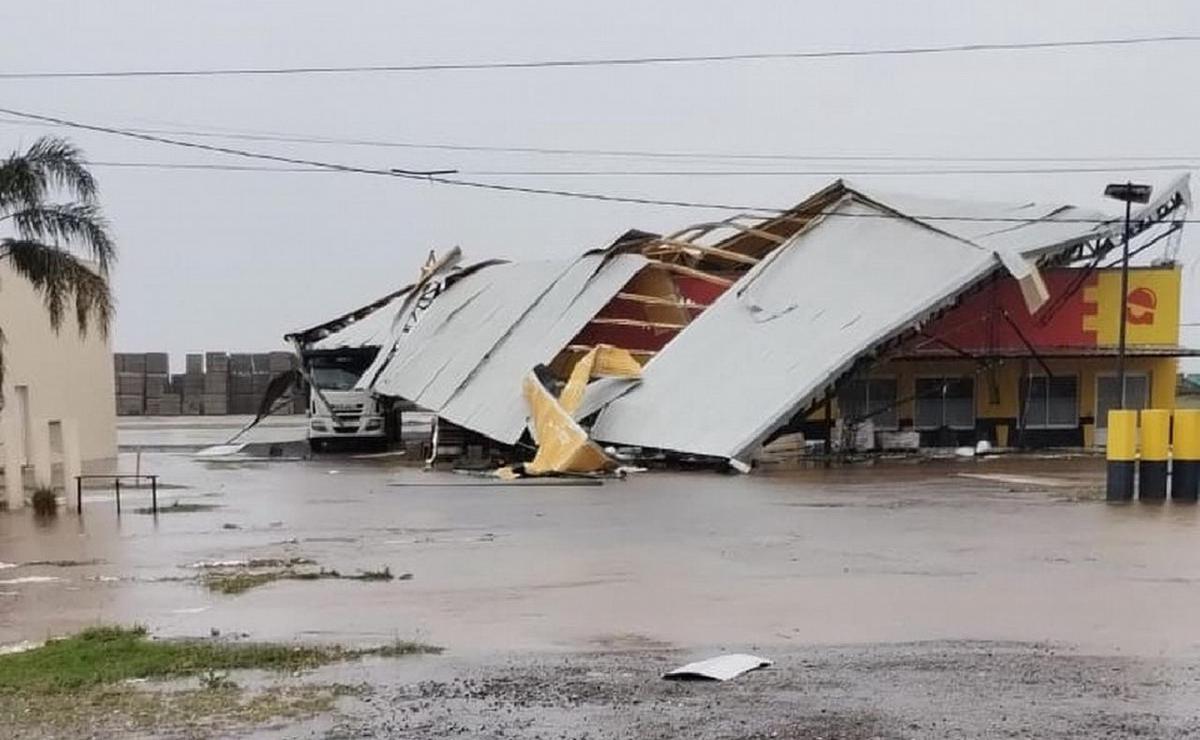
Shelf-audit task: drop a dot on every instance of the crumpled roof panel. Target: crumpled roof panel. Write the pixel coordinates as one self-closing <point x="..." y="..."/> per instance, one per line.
<point x="783" y="333"/>
<point x="372" y="330"/>
<point x="491" y="402"/>
<point x="459" y="328"/>
<point x="467" y="353"/>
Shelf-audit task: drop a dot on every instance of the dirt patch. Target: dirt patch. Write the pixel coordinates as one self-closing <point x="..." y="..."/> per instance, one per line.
<point x="924" y="690"/>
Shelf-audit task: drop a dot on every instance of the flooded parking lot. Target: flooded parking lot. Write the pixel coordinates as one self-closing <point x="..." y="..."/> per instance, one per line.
<point x="890" y="552"/>
<point x="798" y="563"/>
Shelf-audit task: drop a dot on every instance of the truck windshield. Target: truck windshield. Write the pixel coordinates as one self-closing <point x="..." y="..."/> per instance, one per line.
<point x="334" y="378"/>
<point x="339" y="370"/>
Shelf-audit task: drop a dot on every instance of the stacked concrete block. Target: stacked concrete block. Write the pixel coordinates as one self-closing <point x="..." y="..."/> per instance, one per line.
<point x="213" y="383"/>
<point x="167" y="405"/>
<point x="130" y="383"/>
<point x="216" y="383"/>
<point x="191" y="393"/>
<point x="241" y="384"/>
<point x="158" y="380"/>
<point x="281" y="362"/>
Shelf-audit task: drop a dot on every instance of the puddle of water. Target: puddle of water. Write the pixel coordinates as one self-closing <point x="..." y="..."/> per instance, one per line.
<point x="704" y="559"/>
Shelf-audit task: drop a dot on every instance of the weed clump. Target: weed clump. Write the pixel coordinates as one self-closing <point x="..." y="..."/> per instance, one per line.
<point x="45" y="502"/>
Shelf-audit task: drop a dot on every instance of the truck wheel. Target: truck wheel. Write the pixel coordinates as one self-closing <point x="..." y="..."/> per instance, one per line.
<point x="316" y="445"/>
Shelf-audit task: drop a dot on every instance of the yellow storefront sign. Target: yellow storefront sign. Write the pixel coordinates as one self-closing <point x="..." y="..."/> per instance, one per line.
<point x="1151" y="305"/>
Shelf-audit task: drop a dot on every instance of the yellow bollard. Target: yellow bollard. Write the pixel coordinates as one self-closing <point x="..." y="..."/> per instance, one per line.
<point x="1121" y="452"/>
<point x="1185" y="467"/>
<point x="1156" y="448"/>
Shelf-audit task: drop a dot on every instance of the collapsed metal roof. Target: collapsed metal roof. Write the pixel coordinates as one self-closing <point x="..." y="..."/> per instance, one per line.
<point x="855" y="275"/>
<point x="467" y="354"/>
<point x="369" y="326"/>
<point x="749" y="329"/>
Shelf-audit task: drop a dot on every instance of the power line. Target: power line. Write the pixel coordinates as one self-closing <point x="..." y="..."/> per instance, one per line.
<point x="242" y="135"/>
<point x="437" y="177"/>
<point x="606" y="62"/>
<point x="678" y="173"/>
<point x="390" y="172"/>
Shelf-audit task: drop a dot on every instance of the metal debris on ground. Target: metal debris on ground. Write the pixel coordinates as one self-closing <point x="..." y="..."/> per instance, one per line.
<point x="720" y="668"/>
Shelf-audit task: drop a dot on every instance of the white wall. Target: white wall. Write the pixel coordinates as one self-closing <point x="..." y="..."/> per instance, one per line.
<point x="68" y="377"/>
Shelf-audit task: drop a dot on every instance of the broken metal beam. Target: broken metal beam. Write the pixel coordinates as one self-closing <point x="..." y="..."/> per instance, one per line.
<point x="638" y="323"/>
<point x="656" y="301"/>
<point x="693" y="272"/>
<point x="670" y="246"/>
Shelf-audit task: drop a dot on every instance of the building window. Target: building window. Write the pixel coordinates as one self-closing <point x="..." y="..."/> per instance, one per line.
<point x="1050" y="403"/>
<point x="1108" y="396"/>
<point x="869" y="399"/>
<point x="945" y="402"/>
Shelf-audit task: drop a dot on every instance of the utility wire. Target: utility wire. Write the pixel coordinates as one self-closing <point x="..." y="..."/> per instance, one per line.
<point x="678" y="173"/>
<point x="436" y="176"/>
<point x="609" y="61"/>
<point x="242" y="135"/>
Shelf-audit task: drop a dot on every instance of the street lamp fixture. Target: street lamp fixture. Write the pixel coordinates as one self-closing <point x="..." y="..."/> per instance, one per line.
<point x="1130" y="194"/>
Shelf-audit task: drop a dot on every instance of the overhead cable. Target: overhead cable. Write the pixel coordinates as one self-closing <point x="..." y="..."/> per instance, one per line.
<point x="242" y="135"/>
<point x="682" y="173"/>
<point x="434" y="176"/>
<point x="605" y="61"/>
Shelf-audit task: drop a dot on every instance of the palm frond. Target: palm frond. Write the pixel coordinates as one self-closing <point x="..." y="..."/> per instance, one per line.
<point x="21" y="185"/>
<point x="63" y="280"/>
<point x="63" y="166"/>
<point x="72" y="223"/>
<point x="50" y="163"/>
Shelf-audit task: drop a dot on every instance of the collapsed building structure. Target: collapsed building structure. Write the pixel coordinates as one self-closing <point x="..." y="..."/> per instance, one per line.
<point x="851" y="306"/>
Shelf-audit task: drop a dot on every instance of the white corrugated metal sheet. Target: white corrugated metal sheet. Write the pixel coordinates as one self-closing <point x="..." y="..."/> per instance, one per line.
<point x="372" y="330"/>
<point x="781" y="335"/>
<point x="468" y="352"/>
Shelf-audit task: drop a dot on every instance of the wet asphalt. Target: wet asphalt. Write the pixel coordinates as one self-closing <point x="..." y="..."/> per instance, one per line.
<point x="884" y="593"/>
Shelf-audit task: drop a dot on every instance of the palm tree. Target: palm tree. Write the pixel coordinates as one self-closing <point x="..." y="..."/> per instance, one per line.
<point x="44" y="237"/>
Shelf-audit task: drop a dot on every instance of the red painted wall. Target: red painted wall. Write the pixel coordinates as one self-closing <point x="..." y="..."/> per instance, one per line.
<point x="978" y="324"/>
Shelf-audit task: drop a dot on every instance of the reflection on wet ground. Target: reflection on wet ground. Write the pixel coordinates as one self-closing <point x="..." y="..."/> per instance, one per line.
<point x="884" y="553"/>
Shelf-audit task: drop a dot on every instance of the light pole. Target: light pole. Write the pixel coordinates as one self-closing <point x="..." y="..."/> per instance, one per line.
<point x="1131" y="194"/>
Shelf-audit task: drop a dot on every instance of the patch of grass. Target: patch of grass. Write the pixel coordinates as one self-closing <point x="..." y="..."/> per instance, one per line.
<point x="385" y="574"/>
<point x="400" y="648"/>
<point x="106" y="655"/>
<point x="177" y="507"/>
<point x="242" y="580"/>
<point x="106" y="711"/>
<point x="63" y="563"/>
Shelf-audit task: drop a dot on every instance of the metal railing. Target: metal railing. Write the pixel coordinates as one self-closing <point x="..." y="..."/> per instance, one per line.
<point x="116" y="479"/>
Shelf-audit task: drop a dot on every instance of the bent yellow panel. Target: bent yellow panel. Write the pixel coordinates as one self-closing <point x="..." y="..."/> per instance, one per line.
<point x="563" y="446"/>
<point x="602" y="361"/>
<point x="1152" y="306"/>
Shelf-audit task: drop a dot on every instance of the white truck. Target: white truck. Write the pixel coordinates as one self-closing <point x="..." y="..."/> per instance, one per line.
<point x="337" y="412"/>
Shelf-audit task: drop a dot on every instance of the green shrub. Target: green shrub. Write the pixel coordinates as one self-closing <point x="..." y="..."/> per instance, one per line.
<point x="45" y="502"/>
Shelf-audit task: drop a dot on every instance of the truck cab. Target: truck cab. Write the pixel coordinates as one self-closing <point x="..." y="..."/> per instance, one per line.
<point x="347" y="415"/>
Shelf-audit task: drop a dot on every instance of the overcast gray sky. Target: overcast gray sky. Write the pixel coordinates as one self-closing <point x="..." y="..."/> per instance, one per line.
<point x="232" y="260"/>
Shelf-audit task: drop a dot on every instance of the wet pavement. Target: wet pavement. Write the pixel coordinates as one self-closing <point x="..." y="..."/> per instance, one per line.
<point x="893" y="552"/>
<point x="805" y="562"/>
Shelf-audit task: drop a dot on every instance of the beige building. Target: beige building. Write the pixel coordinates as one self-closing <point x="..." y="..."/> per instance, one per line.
<point x="59" y="412"/>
